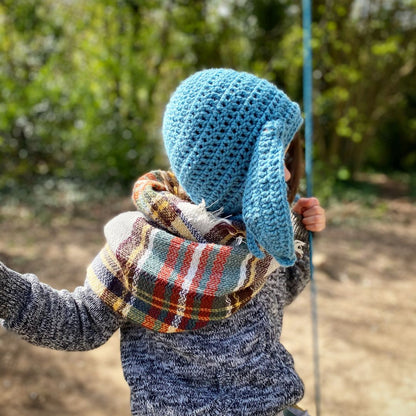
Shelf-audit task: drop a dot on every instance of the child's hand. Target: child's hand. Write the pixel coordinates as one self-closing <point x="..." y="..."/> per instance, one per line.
<point x="314" y="218"/>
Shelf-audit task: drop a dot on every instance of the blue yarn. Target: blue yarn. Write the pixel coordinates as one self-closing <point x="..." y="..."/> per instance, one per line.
<point x="225" y="134"/>
<point x="265" y="195"/>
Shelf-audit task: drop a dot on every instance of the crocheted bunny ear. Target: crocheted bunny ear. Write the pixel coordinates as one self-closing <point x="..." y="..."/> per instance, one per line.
<point x="266" y="210"/>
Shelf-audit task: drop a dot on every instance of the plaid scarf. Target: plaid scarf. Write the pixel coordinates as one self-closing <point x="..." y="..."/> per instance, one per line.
<point x="175" y="266"/>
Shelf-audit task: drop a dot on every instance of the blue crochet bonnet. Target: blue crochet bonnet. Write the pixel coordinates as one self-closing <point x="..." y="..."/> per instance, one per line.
<point x="225" y="134"/>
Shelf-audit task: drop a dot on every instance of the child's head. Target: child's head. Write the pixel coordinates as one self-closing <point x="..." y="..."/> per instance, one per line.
<point x="226" y="134"/>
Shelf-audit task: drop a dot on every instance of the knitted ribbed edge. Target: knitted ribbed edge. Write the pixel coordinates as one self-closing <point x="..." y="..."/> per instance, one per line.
<point x="299" y="230"/>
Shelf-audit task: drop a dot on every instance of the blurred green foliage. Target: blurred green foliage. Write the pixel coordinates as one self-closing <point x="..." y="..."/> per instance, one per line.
<point x="83" y="84"/>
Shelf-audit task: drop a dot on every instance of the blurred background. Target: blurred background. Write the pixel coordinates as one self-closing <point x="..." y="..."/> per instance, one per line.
<point x="83" y="87"/>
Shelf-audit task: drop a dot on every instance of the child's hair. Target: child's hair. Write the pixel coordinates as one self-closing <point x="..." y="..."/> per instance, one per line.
<point x="294" y="163"/>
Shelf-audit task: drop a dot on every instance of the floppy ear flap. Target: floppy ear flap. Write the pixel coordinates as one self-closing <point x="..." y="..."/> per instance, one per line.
<point x="266" y="210"/>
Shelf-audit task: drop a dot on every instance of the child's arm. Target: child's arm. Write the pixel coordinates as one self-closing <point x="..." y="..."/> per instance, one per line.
<point x="307" y="215"/>
<point x="51" y="318"/>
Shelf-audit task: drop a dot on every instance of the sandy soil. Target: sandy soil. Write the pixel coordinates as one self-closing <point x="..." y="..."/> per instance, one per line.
<point x="365" y="271"/>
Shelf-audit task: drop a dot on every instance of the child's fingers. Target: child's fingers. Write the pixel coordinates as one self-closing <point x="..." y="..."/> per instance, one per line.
<point x="314" y="218"/>
<point x="304" y="204"/>
<point x="316" y="228"/>
<point x="315" y="210"/>
<point x="314" y="222"/>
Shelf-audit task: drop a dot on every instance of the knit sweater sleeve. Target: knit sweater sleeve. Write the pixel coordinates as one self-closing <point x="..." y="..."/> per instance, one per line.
<point x="52" y="318"/>
<point x="298" y="275"/>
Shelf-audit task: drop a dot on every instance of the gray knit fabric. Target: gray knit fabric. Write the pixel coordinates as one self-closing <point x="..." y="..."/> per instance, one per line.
<point x="232" y="367"/>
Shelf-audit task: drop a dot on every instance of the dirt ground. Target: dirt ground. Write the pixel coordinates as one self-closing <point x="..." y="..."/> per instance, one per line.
<point x="365" y="270"/>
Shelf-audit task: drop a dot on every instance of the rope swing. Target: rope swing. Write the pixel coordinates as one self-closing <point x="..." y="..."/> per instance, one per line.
<point x="307" y="103"/>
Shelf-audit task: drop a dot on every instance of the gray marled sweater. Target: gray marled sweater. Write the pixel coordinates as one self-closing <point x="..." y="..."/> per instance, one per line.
<point x="233" y="367"/>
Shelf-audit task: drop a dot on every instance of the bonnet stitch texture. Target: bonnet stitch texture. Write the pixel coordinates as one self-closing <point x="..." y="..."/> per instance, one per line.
<point x="225" y="134"/>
